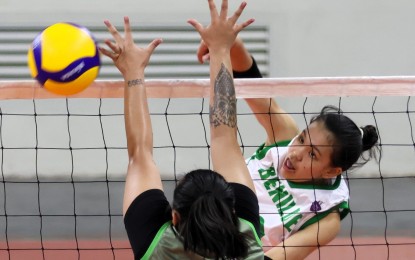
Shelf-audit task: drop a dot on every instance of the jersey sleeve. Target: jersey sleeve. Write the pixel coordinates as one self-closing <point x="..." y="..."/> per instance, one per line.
<point x="252" y="72"/>
<point x="143" y="219"/>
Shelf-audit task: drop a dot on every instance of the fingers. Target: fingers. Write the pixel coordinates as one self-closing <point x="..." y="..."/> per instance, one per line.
<point x="202" y="52"/>
<point x="153" y="45"/>
<point x="127" y="29"/>
<point x="196" y="25"/>
<point x="224" y="9"/>
<point x="241" y="26"/>
<point x="234" y="18"/>
<point x="125" y="45"/>
<point x="205" y="58"/>
<point x="113" y="31"/>
<point x="247" y="23"/>
<point x="238" y="13"/>
<point x="109" y="54"/>
<point x="213" y="10"/>
<point x="114" y="47"/>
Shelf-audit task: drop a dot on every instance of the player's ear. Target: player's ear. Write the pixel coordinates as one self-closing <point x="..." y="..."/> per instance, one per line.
<point x="175" y="217"/>
<point x="332" y="172"/>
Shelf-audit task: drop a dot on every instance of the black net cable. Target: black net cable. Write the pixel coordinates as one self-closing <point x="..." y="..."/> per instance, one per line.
<point x="171" y="139"/>
<point x="110" y="216"/>
<point x="408" y="113"/>
<point x="205" y="133"/>
<point x="106" y="180"/>
<point x="72" y="178"/>
<point x="38" y="181"/>
<point x="6" y="235"/>
<point x="381" y="177"/>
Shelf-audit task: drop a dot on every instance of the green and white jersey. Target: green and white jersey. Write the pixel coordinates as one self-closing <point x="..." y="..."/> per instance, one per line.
<point x="287" y="207"/>
<point x="166" y="245"/>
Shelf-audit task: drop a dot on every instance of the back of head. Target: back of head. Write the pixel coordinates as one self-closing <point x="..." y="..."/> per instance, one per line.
<point x="208" y="224"/>
<point x="350" y="141"/>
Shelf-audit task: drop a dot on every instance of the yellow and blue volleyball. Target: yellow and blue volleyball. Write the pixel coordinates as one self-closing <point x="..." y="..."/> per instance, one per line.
<point x="64" y="58"/>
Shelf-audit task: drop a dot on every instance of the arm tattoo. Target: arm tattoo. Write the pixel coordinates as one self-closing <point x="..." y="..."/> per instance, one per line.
<point x="223" y="109"/>
<point x="135" y="82"/>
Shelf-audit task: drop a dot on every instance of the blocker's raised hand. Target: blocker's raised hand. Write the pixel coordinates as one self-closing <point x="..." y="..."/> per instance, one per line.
<point x="126" y="55"/>
<point x="222" y="30"/>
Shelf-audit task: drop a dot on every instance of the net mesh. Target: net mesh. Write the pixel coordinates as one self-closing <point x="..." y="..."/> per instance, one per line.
<point x="63" y="162"/>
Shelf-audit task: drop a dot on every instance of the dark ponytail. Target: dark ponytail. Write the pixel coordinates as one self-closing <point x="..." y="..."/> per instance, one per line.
<point x="208" y="225"/>
<point x="350" y="141"/>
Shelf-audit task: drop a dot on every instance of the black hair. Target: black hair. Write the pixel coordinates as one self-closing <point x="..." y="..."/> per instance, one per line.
<point x="208" y="224"/>
<point x="349" y="141"/>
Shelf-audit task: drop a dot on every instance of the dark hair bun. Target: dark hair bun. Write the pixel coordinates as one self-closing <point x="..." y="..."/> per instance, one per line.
<point x="370" y="137"/>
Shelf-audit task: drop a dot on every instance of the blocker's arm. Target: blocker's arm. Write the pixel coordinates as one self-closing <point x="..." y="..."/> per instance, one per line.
<point x="131" y="60"/>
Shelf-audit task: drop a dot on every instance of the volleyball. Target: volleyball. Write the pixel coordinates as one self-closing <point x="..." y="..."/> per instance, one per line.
<point x="64" y="58"/>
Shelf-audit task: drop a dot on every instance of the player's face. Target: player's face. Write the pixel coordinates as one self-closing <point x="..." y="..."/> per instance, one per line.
<point x="309" y="156"/>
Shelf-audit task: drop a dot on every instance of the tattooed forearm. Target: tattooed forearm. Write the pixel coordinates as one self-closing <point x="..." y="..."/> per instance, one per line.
<point x="223" y="109"/>
<point x="135" y="82"/>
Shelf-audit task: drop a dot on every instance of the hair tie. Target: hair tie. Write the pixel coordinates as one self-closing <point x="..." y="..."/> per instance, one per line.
<point x="361" y="131"/>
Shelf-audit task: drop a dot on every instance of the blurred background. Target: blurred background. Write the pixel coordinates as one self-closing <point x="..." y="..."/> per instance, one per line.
<point x="43" y="189"/>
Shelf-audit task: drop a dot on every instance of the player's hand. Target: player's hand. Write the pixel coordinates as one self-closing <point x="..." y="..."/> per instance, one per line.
<point x="220" y="34"/>
<point x="127" y="56"/>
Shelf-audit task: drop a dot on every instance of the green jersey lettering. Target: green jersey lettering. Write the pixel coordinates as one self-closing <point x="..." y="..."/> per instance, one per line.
<point x="271" y="183"/>
<point x="283" y="200"/>
<point x="265" y="174"/>
<point x="292" y="218"/>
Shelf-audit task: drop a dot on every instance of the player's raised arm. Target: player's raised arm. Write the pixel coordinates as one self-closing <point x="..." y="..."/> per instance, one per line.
<point x="219" y="37"/>
<point x="131" y="60"/>
<point x="278" y="125"/>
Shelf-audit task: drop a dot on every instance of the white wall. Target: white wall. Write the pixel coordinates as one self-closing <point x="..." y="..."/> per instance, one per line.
<point x="307" y="37"/>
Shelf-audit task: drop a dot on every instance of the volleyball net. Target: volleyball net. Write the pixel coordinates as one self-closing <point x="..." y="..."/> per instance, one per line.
<point x="63" y="160"/>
